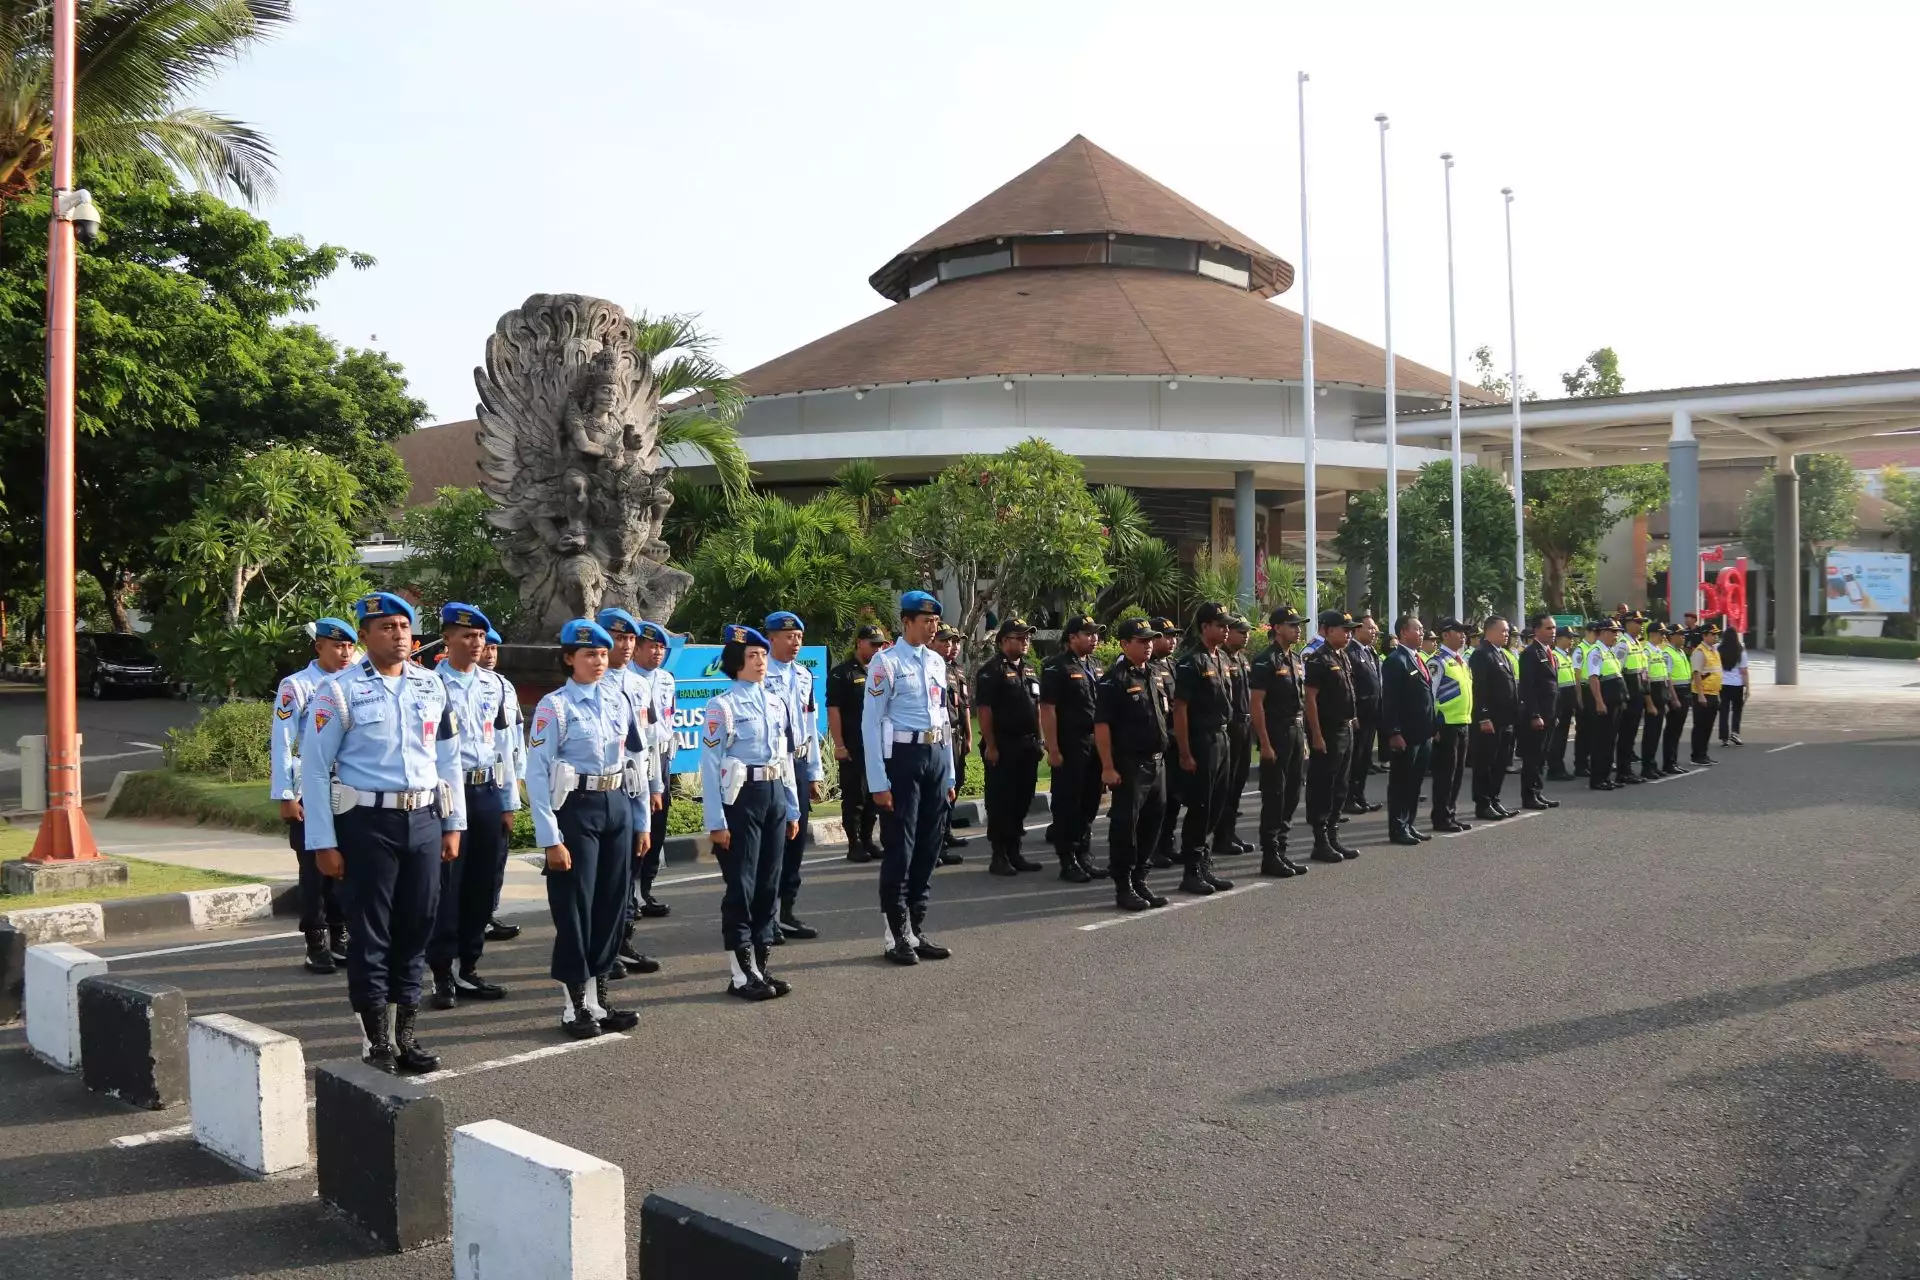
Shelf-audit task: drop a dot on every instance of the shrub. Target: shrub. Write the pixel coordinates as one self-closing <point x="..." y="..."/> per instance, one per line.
<point x="230" y="741"/>
<point x="1860" y="646"/>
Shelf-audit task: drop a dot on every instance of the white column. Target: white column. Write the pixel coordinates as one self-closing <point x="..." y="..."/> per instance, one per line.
<point x="1683" y="514"/>
<point x="1453" y="399"/>
<point x="1243" y="534"/>
<point x="1307" y="392"/>
<point x="1393" y="424"/>
<point x="1519" y="467"/>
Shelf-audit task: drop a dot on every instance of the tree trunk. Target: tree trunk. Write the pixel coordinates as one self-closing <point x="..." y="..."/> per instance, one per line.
<point x="1553" y="580"/>
<point x="111" y="580"/>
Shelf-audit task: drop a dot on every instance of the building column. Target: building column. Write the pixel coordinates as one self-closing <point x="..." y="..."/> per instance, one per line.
<point x="1683" y="510"/>
<point x="1757" y="592"/>
<point x="1786" y="571"/>
<point x="1243" y="534"/>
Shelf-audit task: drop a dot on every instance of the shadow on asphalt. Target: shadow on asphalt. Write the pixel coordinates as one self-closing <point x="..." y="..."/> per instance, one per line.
<point x="234" y="1242"/>
<point x="1526" y="1043"/>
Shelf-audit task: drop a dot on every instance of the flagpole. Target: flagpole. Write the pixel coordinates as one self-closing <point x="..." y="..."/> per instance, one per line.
<point x="1513" y="398"/>
<point x="1453" y="398"/>
<point x="1393" y="426"/>
<point x="1306" y="375"/>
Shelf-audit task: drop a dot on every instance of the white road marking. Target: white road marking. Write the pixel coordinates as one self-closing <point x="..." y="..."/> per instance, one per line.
<point x="205" y="946"/>
<point x="1178" y="902"/>
<point x="157" y="1135"/>
<point x="1695" y="772"/>
<point x="151" y="746"/>
<point x="1790" y="746"/>
<point x="1484" y="824"/>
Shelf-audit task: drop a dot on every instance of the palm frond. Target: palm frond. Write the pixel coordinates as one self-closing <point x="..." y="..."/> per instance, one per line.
<point x="692" y="431"/>
<point x="217" y="152"/>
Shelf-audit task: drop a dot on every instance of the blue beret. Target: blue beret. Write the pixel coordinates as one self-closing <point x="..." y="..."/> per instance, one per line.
<point x="654" y="631"/>
<point x="456" y="614"/>
<point x="618" y="622"/>
<point x="739" y="633"/>
<point x="332" y="629"/>
<point x="783" y="621"/>
<point x="584" y="633"/>
<point x="384" y="604"/>
<point x="919" y="602"/>
<point x="493" y="637"/>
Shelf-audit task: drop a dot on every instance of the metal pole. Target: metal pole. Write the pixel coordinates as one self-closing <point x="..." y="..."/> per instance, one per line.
<point x="1393" y="426"/>
<point x="1453" y="398"/>
<point x="1306" y="375"/>
<point x="1513" y="398"/>
<point x="64" y="835"/>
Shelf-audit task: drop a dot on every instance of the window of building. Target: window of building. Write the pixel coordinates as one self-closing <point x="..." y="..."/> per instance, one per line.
<point x="1225" y="264"/>
<point x="1060" y="251"/>
<point x="974" y="260"/>
<point x="1152" y="251"/>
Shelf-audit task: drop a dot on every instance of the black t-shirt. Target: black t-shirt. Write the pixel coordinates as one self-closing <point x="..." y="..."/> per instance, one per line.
<point x="1010" y="688"/>
<point x="1277" y="677"/>
<point x="1201" y="681"/>
<point x="847" y="690"/>
<point x="1134" y="702"/>
<point x="1067" y="683"/>
<point x="1327" y="671"/>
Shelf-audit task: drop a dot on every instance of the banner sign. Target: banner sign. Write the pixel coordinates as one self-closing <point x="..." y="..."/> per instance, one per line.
<point x="697" y="677"/>
<point x="1868" y="582"/>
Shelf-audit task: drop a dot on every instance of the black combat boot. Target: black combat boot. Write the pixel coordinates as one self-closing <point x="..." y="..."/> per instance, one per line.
<point x="632" y="958"/>
<point x="337" y="942"/>
<point x="445" y="996"/>
<point x="899" y="949"/>
<point x="1140" y="887"/>
<point x="1194" y="882"/>
<point x="1020" y="861"/>
<point x="746" y="980"/>
<point x="859" y="853"/>
<point x="1220" y="884"/>
<point x="612" y="1019"/>
<point x="923" y="946"/>
<point x="1000" y="865"/>
<point x="1071" y="868"/>
<point x="1299" y="868"/>
<point x="779" y="986"/>
<point x="578" y="1021"/>
<point x="408" y="1056"/>
<point x="1323" y="850"/>
<point x="373" y="1025"/>
<point x="1125" y="896"/>
<point x="319" y="958"/>
<point x="1274" y="863"/>
<point x="1346" y="851"/>
<point x="793" y="926"/>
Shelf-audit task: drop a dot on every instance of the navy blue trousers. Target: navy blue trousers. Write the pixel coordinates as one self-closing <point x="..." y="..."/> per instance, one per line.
<point x="793" y="849"/>
<point x="589" y="900"/>
<point x="319" y="903"/>
<point x="751" y="864"/>
<point x="391" y="891"/>
<point x="913" y="831"/>
<point x="467" y="884"/>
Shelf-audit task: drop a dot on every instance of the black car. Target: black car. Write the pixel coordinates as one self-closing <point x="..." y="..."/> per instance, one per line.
<point x="107" y="661"/>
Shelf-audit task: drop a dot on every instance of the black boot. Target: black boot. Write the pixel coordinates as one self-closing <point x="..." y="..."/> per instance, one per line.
<point x="578" y="1021"/>
<point x="923" y="946"/>
<point x="1000" y="865"/>
<point x="1020" y="861"/>
<point x="1083" y="853"/>
<point x="1220" y="885"/>
<point x="612" y="1019"/>
<point x="778" y="986"/>
<point x="859" y="853"/>
<point x="373" y="1025"/>
<point x="1397" y="833"/>
<point x="1193" y="881"/>
<point x="1140" y="887"/>
<point x="469" y="985"/>
<point x="1346" y="851"/>
<point x="408" y="1056"/>
<point x="747" y="982"/>
<point x="1071" y="870"/>
<point x="1323" y="850"/>
<point x="337" y="942"/>
<point x="792" y="925"/>
<point x="445" y="996"/>
<point x="319" y="958"/>
<point x="651" y="907"/>
<point x="1299" y="868"/>
<point x="1274" y="863"/>
<point x="899" y="950"/>
<point x="1125" y="896"/>
<point x="633" y="958"/>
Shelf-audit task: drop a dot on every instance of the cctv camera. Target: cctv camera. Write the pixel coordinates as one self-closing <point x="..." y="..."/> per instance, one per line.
<point x="77" y="207"/>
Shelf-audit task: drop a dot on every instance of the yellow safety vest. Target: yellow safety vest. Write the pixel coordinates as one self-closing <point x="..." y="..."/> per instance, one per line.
<point x="1658" y="664"/>
<point x="1456" y="707"/>
<point x="1678" y="667"/>
<point x="1709" y="669"/>
<point x="1562" y="669"/>
<point x="1609" y="664"/>
<point x="1636" y="655"/>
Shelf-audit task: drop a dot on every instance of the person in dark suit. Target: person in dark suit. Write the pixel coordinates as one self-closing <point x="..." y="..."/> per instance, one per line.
<point x="1496" y="709"/>
<point x="1539" y="704"/>
<point x="1364" y="661"/>
<point x="1408" y="718"/>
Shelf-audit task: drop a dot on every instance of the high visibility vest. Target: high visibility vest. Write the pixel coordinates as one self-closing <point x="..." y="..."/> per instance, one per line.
<point x="1562" y="669"/>
<point x="1454" y="692"/>
<point x="1609" y="664"/>
<point x="1679" y="668"/>
<point x="1636" y="655"/>
<point x="1709" y="669"/>
<point x="1658" y="664"/>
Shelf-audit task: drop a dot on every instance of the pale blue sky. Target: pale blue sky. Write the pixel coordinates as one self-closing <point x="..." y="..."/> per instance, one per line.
<point x="1721" y="192"/>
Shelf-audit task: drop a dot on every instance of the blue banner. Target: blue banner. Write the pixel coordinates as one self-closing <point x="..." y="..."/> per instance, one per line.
<point x="697" y="677"/>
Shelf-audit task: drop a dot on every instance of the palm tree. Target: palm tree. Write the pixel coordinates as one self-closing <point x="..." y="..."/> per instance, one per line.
<point x="698" y="512"/>
<point x="812" y="558"/>
<point x="700" y="402"/>
<point x="862" y="483"/>
<point x="136" y="60"/>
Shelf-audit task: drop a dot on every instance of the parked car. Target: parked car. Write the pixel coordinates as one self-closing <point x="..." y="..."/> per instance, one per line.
<point x="108" y="662"/>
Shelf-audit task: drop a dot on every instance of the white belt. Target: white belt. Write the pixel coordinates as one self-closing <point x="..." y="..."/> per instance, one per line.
<point x="601" y="782"/>
<point x="395" y="799"/>
<point x="920" y="735"/>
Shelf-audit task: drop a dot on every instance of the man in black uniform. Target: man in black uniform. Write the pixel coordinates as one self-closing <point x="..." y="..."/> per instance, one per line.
<point x="1329" y="709"/>
<point x="1007" y="696"/>
<point x="1539" y="702"/>
<point x="1496" y="709"/>
<point x="946" y="643"/>
<point x="1066" y="722"/>
<point x="846" y="699"/>
<point x="1566" y="700"/>
<point x="1239" y="667"/>
<point x="1131" y="732"/>
<point x="1407" y="719"/>
<point x="1278" y="699"/>
<point x="1363" y="661"/>
<point x="1202" y="701"/>
<point x="1163" y="850"/>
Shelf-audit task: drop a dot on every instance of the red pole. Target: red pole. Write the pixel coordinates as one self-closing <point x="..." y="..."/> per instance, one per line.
<point x="64" y="834"/>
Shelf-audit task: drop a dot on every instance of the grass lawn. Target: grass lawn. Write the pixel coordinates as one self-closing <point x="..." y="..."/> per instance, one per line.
<point x="142" y="877"/>
<point x="164" y="793"/>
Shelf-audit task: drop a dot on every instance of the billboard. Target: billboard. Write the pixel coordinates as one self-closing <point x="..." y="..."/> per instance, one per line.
<point x="1868" y="582"/>
<point x="697" y="677"/>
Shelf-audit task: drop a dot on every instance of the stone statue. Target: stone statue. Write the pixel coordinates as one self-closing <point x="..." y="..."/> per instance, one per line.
<point x="569" y="419"/>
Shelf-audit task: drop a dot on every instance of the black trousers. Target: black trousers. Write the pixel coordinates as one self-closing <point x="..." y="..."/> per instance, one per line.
<point x="1239" y="765"/>
<point x="1281" y="782"/>
<point x="1010" y="785"/>
<point x="1564" y="700"/>
<point x="466" y="884"/>
<point x="1327" y="775"/>
<point x="656" y="837"/>
<point x="959" y="777"/>
<point x="588" y="901"/>
<point x="1365" y="736"/>
<point x="1133" y="820"/>
<point x="1532" y="744"/>
<point x="1626" y="730"/>
<point x="857" y="812"/>
<point x="1703" y="721"/>
<point x="911" y="833"/>
<point x="751" y="864"/>
<point x="1583" y="740"/>
<point x="319" y="902"/>
<point x="1075" y="797"/>
<point x="1676" y="726"/>
<point x="1733" y="697"/>
<point x="1406" y="769"/>
<point x="390" y="893"/>
<point x="1489" y="753"/>
<point x="1179" y="783"/>
<point x="1449" y="766"/>
<point x="1600" y="726"/>
<point x="1206" y="789"/>
<point x="794" y="848"/>
<point x="1652" y="725"/>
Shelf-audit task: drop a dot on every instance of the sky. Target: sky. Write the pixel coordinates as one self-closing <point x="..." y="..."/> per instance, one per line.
<point x="1720" y="192"/>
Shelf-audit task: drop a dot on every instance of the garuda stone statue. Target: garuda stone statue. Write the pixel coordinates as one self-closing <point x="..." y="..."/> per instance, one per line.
<point x="569" y="419"/>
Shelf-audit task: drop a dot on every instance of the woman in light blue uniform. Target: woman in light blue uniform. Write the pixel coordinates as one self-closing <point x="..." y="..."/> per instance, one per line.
<point x="750" y="807"/>
<point x="576" y="787"/>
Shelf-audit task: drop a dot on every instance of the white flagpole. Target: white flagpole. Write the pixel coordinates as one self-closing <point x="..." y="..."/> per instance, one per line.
<point x="1306" y="376"/>
<point x="1453" y="398"/>
<point x="1393" y="426"/>
<point x="1513" y="397"/>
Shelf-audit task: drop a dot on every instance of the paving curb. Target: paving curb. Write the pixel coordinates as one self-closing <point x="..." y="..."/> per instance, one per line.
<point x="201" y="910"/>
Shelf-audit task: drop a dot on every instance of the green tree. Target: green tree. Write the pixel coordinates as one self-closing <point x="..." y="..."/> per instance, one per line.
<point x="453" y="555"/>
<point x="1145" y="571"/>
<point x="135" y="63"/>
<point x="813" y="559"/>
<point x="265" y="550"/>
<point x="865" y="485"/>
<point x="700" y="402"/>
<point x="1902" y="493"/>
<point x="1829" y="507"/>
<point x="1014" y="532"/>
<point x="1426" y="541"/>
<point x="698" y="512"/>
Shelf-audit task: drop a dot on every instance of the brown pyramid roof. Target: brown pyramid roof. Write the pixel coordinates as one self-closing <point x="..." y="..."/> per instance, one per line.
<point x="1081" y="189"/>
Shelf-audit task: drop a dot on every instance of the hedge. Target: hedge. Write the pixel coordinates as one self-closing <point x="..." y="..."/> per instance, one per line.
<point x="1860" y="646"/>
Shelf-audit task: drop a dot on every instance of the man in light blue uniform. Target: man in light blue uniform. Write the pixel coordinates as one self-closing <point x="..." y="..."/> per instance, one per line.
<point x="479" y="701"/>
<point x="909" y="751"/>
<point x="650" y="657"/>
<point x="624" y="674"/>
<point x="793" y="681"/>
<point x="385" y="806"/>
<point x="513" y="755"/>
<point x="321" y="918"/>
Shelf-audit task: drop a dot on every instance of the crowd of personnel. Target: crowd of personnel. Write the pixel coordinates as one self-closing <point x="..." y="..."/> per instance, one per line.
<point x="400" y="784"/>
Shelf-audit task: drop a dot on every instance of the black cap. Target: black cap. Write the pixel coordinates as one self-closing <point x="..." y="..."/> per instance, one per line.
<point x="1561" y="633"/>
<point x="1709" y="625"/>
<point x="1657" y="629"/>
<point x="1238" y="623"/>
<point x="1603" y="624"/>
<point x="1081" y="622"/>
<point x="1136" y="629"/>
<point x="1164" y="625"/>
<point x="1014" y="627"/>
<point x="1336" y="618"/>
<point x="871" y="632"/>
<point x="1285" y="616"/>
<point x="1211" y="611"/>
<point x="1452" y="624"/>
<point x="1635" y="616"/>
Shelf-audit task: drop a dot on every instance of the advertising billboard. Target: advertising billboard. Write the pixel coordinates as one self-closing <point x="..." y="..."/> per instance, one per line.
<point x="1868" y="582"/>
<point x="697" y="677"/>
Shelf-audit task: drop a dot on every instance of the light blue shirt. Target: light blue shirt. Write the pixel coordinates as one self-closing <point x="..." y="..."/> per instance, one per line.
<point x="479" y="700"/>
<point x="746" y="721"/>
<point x="666" y="702"/>
<point x="379" y="733"/>
<point x="589" y="726"/>
<point x="637" y="685"/>
<point x="289" y="718"/>
<point x="906" y="692"/>
<point x="513" y="743"/>
<point x="793" y="681"/>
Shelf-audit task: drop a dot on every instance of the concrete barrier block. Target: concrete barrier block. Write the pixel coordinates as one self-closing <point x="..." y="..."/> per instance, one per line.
<point x="75" y="922"/>
<point x="13" y="973"/>
<point x="1042" y="804"/>
<point x="693" y="1232"/>
<point x="52" y="977"/>
<point x="381" y="1153"/>
<point x="236" y="904"/>
<point x="969" y="813"/>
<point x="133" y="1041"/>
<point x="526" y="1206"/>
<point x="249" y="1093"/>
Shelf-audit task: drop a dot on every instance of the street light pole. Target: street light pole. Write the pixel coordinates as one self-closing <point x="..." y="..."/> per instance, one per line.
<point x="64" y="834"/>
<point x="1306" y="379"/>
<point x="1513" y="398"/>
<point x="1393" y="421"/>
<point x="1453" y="399"/>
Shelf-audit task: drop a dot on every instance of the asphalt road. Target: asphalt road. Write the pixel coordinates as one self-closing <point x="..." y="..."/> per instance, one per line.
<point x="1663" y="1033"/>
<point x="118" y="733"/>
